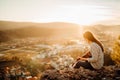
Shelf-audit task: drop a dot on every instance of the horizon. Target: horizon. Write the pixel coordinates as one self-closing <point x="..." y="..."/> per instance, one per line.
<point x="105" y="12"/>
<point x="57" y="22"/>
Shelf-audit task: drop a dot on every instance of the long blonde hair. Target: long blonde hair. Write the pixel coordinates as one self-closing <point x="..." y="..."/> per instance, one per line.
<point x="88" y="35"/>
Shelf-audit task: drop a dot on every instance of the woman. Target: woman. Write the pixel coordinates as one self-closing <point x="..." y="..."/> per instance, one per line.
<point x="95" y="56"/>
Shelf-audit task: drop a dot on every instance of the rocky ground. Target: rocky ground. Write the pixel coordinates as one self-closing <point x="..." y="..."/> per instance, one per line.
<point x="106" y="73"/>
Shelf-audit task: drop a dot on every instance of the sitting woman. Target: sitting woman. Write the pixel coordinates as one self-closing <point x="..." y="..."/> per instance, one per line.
<point x="94" y="59"/>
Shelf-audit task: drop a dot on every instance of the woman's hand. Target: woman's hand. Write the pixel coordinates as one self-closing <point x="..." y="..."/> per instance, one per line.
<point x="83" y="59"/>
<point x="78" y="58"/>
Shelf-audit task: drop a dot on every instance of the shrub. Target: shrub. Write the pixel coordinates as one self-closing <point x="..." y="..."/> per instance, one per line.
<point x="116" y="51"/>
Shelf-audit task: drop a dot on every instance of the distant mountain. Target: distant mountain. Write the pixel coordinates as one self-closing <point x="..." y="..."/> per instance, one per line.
<point x="115" y="29"/>
<point x="11" y="30"/>
<point x="7" y="25"/>
<point x="56" y="30"/>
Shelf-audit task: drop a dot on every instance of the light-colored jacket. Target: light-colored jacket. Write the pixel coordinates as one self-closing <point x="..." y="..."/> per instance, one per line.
<point x="97" y="59"/>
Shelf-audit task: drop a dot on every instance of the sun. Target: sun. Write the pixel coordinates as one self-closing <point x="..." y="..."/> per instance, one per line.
<point x="86" y="14"/>
<point x="92" y="15"/>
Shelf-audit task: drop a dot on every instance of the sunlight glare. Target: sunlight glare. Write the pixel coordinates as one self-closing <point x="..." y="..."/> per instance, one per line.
<point x="79" y="14"/>
<point x="86" y="15"/>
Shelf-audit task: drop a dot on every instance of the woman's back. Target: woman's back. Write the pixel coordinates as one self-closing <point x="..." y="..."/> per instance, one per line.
<point x="97" y="59"/>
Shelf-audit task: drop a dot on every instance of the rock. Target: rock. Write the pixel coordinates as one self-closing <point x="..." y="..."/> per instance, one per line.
<point x="106" y="73"/>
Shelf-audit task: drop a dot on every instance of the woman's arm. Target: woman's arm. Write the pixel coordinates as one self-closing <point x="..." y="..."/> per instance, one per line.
<point x="94" y="50"/>
<point x="87" y="55"/>
<point x="83" y="59"/>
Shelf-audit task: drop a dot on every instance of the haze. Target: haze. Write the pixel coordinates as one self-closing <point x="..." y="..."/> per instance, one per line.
<point x="83" y="12"/>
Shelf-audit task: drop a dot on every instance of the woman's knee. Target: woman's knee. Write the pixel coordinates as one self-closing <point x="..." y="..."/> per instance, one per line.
<point x="77" y="65"/>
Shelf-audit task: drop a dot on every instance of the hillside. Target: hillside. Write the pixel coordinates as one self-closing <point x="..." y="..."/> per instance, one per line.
<point x="36" y="44"/>
<point x="55" y="30"/>
<point x="12" y="30"/>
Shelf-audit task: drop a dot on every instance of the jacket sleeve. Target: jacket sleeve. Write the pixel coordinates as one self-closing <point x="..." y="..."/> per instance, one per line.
<point x="94" y="50"/>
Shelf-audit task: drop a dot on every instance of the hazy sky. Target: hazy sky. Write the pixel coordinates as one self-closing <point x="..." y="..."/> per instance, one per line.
<point x="82" y="12"/>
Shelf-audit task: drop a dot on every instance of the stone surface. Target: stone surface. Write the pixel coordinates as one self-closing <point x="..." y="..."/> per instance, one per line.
<point x="106" y="73"/>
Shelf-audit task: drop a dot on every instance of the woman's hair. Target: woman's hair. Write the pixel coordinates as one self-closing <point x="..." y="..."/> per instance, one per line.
<point x="88" y="35"/>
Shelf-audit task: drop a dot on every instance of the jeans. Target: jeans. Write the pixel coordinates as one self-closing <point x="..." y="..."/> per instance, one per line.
<point x="84" y="64"/>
